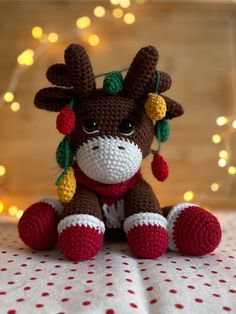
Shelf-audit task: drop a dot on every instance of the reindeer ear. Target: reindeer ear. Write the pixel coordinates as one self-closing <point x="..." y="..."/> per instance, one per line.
<point x="173" y="109"/>
<point x="53" y="98"/>
<point x="57" y="74"/>
<point x="141" y="73"/>
<point x="80" y="70"/>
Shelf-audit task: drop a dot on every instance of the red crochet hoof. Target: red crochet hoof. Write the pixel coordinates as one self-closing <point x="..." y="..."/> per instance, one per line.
<point x="193" y="230"/>
<point x="146" y="233"/>
<point x="38" y="225"/>
<point x="80" y="239"/>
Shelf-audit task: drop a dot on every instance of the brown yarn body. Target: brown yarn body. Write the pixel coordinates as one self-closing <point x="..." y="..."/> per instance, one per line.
<point x="75" y="79"/>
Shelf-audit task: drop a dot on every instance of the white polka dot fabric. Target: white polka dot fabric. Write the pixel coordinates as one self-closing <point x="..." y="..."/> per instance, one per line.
<point x="115" y="281"/>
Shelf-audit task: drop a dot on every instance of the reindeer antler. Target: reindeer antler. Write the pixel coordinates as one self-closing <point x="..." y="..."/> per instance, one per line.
<point x="80" y="70"/>
<point x="58" y="75"/>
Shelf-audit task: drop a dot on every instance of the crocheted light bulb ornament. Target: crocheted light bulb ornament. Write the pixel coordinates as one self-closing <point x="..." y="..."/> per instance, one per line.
<point x="67" y="186"/>
<point x="155" y="106"/>
<point x="160" y="167"/>
<point x="113" y="83"/>
<point x="66" y="120"/>
<point x="64" y="153"/>
<point x="162" y="130"/>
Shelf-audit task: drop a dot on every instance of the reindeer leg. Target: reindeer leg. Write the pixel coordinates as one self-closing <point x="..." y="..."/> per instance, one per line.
<point x="145" y="225"/>
<point x="81" y="228"/>
<point x="192" y="230"/>
<point x="38" y="225"/>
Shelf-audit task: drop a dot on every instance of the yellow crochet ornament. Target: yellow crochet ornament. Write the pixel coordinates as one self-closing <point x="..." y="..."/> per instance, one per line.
<point x="67" y="186"/>
<point x="155" y="105"/>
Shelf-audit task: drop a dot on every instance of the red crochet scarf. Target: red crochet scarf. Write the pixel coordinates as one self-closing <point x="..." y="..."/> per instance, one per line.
<point x="108" y="193"/>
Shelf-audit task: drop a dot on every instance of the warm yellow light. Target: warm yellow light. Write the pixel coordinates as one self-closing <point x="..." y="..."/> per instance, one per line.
<point x="115" y="2"/>
<point x="15" y="106"/>
<point x="12" y="210"/>
<point x="19" y="213"/>
<point x="99" y="11"/>
<point x="232" y="170"/>
<point x="234" y="124"/>
<point x="26" y="57"/>
<point x="93" y="40"/>
<point x="8" y="97"/>
<point x="52" y="38"/>
<point x="1" y="207"/>
<point x="221" y="121"/>
<point x="129" y="18"/>
<point x="223" y="154"/>
<point x="125" y="3"/>
<point x="216" y="138"/>
<point x="37" y="32"/>
<point x="83" y="22"/>
<point x="140" y="1"/>
<point x="222" y="163"/>
<point x="2" y="170"/>
<point x="215" y="187"/>
<point x="117" y="13"/>
<point x="188" y="196"/>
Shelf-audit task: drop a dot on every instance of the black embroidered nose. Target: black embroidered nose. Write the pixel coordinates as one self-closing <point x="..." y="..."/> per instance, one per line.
<point x="121" y="147"/>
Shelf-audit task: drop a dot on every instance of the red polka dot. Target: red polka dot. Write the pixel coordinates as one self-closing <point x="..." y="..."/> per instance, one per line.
<point x="149" y="288"/>
<point x="27" y="288"/>
<point x="131" y="291"/>
<point x="65" y="300"/>
<point x="153" y="301"/>
<point x="20" y="300"/>
<point x="2" y="293"/>
<point x="207" y="284"/>
<point x="133" y="305"/>
<point x="89" y="281"/>
<point x="45" y="294"/>
<point x="227" y="308"/>
<point x="222" y="281"/>
<point x="109" y="295"/>
<point x="88" y="291"/>
<point x="50" y="284"/>
<point x="232" y="291"/>
<point x="179" y="306"/>
<point x="39" y="305"/>
<point x="11" y="282"/>
<point x="173" y="291"/>
<point x="110" y="311"/>
<point x="167" y="280"/>
<point x="216" y="295"/>
<point x="146" y="278"/>
<point x="191" y="287"/>
<point x="198" y="300"/>
<point x="11" y="312"/>
<point x="86" y="303"/>
<point x="68" y="288"/>
<point x="109" y="284"/>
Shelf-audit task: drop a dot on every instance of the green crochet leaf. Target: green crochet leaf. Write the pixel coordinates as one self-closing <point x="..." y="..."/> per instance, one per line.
<point x="64" y="154"/>
<point x="113" y="83"/>
<point x="162" y="130"/>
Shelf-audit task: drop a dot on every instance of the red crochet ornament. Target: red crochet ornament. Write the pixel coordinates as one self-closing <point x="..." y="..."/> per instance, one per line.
<point x="66" y="120"/>
<point x="160" y="167"/>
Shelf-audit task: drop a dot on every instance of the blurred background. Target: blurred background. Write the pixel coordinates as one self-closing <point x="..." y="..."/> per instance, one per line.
<point x="197" y="45"/>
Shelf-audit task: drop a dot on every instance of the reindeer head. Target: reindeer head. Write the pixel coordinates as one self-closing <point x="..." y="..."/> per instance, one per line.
<point x="112" y="133"/>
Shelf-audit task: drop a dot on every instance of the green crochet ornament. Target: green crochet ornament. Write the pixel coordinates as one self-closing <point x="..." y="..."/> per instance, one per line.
<point x="113" y="83"/>
<point x="64" y="154"/>
<point x="162" y="130"/>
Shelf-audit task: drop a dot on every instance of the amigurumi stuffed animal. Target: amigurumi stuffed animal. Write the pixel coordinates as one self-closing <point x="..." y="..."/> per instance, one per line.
<point x="107" y="133"/>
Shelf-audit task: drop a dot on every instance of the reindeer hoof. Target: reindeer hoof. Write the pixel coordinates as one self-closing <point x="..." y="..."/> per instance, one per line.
<point x="38" y="226"/>
<point x="147" y="235"/>
<point x="80" y="236"/>
<point x="192" y="230"/>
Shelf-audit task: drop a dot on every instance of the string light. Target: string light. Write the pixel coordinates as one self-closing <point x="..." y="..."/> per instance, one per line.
<point x="234" y="124"/>
<point x="37" y="32"/>
<point x="26" y="57"/>
<point x="221" y="121"/>
<point x="188" y="196"/>
<point x="83" y="22"/>
<point x="2" y="170"/>
<point x="216" y="138"/>
<point x="215" y="187"/>
<point x="12" y="210"/>
<point x="223" y="154"/>
<point x="125" y="3"/>
<point x="222" y="163"/>
<point x="117" y="13"/>
<point x="1" y="207"/>
<point x="115" y="2"/>
<point x="93" y="40"/>
<point x="53" y="37"/>
<point x="232" y="170"/>
<point x="129" y="18"/>
<point x="8" y="96"/>
<point x="19" y="213"/>
<point x="99" y="11"/>
<point x="15" y="106"/>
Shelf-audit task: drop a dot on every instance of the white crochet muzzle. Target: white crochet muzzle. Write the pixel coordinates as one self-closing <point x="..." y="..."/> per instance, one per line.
<point x="108" y="159"/>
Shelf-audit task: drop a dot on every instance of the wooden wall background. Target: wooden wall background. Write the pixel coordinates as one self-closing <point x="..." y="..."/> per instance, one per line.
<point x="196" y="42"/>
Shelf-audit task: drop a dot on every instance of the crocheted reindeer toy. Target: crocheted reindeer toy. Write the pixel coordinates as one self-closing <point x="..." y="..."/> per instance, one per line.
<point x="107" y="133"/>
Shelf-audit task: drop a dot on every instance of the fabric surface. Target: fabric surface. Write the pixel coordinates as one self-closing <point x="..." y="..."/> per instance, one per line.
<point x="114" y="282"/>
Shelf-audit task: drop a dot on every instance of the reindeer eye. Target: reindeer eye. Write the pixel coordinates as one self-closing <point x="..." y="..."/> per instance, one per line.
<point x="126" y="127"/>
<point x="90" y="126"/>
